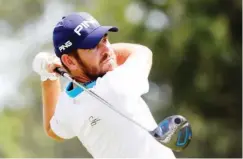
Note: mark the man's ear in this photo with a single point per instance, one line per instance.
(69, 62)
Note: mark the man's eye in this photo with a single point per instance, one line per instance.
(90, 50)
(105, 39)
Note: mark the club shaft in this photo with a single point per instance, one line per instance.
(101, 100)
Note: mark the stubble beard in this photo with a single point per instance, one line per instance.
(90, 72)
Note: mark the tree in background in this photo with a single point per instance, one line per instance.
(197, 54)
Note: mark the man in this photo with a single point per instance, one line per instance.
(116, 72)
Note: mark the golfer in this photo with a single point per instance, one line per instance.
(116, 72)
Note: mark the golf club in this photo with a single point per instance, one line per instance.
(174, 131)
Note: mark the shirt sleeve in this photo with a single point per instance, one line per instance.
(59, 122)
(131, 78)
(61, 129)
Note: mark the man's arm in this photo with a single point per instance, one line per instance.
(50, 88)
(131, 78)
(122, 53)
(134, 55)
(50, 93)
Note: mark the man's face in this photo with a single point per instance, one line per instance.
(96, 62)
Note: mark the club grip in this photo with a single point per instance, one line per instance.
(60, 71)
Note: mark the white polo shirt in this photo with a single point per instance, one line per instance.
(103, 132)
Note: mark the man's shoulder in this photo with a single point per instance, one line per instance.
(108, 80)
(74, 91)
(71, 95)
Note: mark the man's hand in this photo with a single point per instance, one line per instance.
(44, 64)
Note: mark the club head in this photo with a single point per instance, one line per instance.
(174, 132)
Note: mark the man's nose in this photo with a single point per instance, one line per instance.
(104, 45)
(105, 49)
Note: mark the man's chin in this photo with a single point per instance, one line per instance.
(111, 68)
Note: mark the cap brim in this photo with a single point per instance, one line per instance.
(94, 38)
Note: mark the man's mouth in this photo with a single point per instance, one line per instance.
(105, 61)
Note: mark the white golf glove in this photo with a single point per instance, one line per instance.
(40, 65)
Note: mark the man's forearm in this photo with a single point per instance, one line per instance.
(50, 94)
(139, 55)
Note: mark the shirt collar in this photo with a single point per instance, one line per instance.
(74, 92)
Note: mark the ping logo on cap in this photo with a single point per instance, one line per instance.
(85, 24)
(65, 46)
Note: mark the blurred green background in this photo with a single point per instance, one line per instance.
(196, 69)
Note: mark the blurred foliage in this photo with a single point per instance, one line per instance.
(198, 54)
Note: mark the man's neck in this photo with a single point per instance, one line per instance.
(82, 79)
(85, 78)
